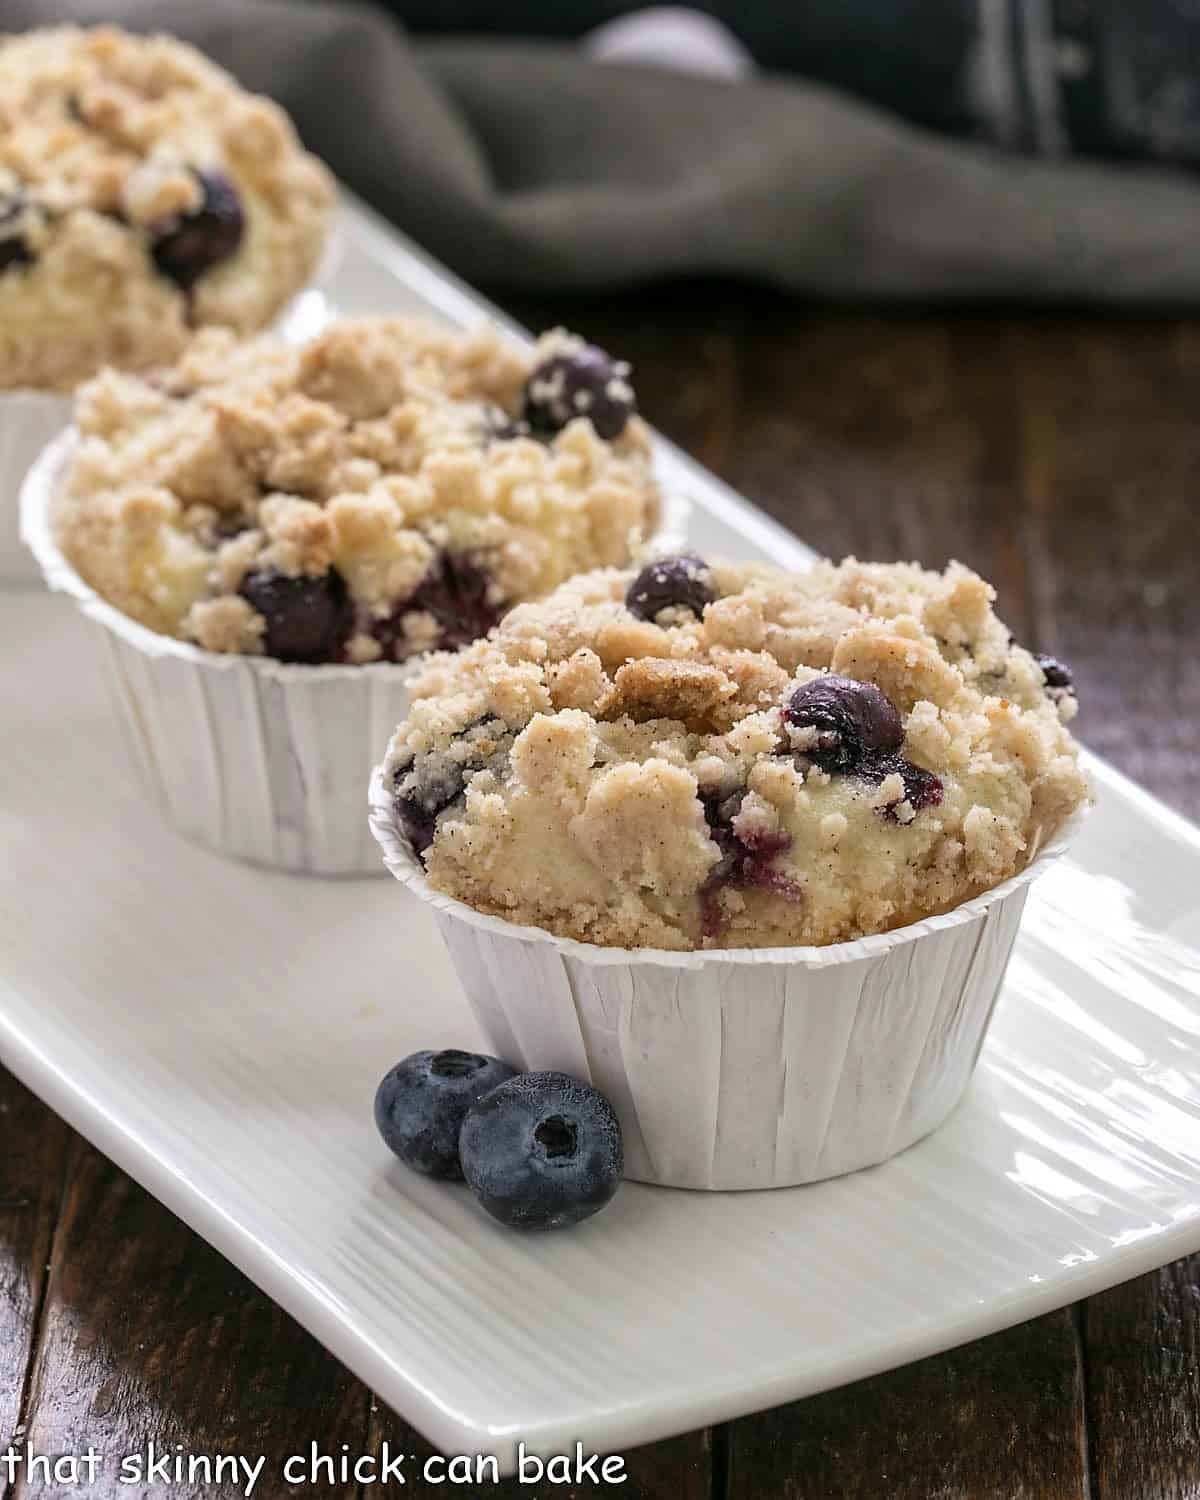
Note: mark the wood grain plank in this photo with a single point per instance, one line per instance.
(149, 1335)
(1142, 1355)
(31, 1175)
(1003, 1418)
(1114, 458)
(1111, 452)
(883, 437)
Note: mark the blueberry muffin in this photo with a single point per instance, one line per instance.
(142, 194)
(732, 756)
(384, 490)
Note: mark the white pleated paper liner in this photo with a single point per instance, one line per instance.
(28, 421)
(255, 758)
(742, 1068)
(259, 759)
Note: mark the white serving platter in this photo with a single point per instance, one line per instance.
(219, 1031)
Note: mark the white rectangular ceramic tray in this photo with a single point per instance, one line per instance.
(219, 1032)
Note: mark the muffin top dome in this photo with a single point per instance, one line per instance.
(142, 194)
(715, 755)
(386, 489)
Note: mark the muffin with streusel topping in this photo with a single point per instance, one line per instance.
(387, 489)
(715, 756)
(268, 535)
(143, 194)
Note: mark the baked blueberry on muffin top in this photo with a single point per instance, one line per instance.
(142, 194)
(701, 754)
(372, 495)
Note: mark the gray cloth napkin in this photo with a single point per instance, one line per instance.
(528, 165)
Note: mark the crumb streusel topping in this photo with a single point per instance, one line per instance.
(142, 194)
(734, 756)
(371, 495)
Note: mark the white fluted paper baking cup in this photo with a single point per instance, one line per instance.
(742, 1068)
(28, 421)
(255, 758)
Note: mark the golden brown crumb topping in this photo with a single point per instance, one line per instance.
(370, 495)
(142, 194)
(788, 759)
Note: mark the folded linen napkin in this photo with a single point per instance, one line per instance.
(529, 164)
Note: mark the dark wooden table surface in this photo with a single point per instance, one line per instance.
(1059, 456)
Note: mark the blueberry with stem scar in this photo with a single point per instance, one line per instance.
(542, 1151)
(422, 1102)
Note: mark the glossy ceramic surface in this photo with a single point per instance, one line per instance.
(219, 1031)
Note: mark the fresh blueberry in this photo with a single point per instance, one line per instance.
(922, 788)
(14, 252)
(583, 382)
(186, 245)
(13, 249)
(747, 860)
(423, 794)
(455, 592)
(542, 1151)
(1056, 673)
(853, 721)
(307, 618)
(422, 1102)
(426, 787)
(858, 731)
(670, 583)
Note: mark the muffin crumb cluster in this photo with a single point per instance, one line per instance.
(715, 755)
(142, 194)
(369, 496)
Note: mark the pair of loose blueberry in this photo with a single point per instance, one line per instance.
(538, 1150)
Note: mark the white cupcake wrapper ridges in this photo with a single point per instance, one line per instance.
(28, 421)
(743, 1068)
(260, 759)
(255, 758)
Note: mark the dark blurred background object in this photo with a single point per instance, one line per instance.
(1109, 78)
(904, 57)
(884, 150)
